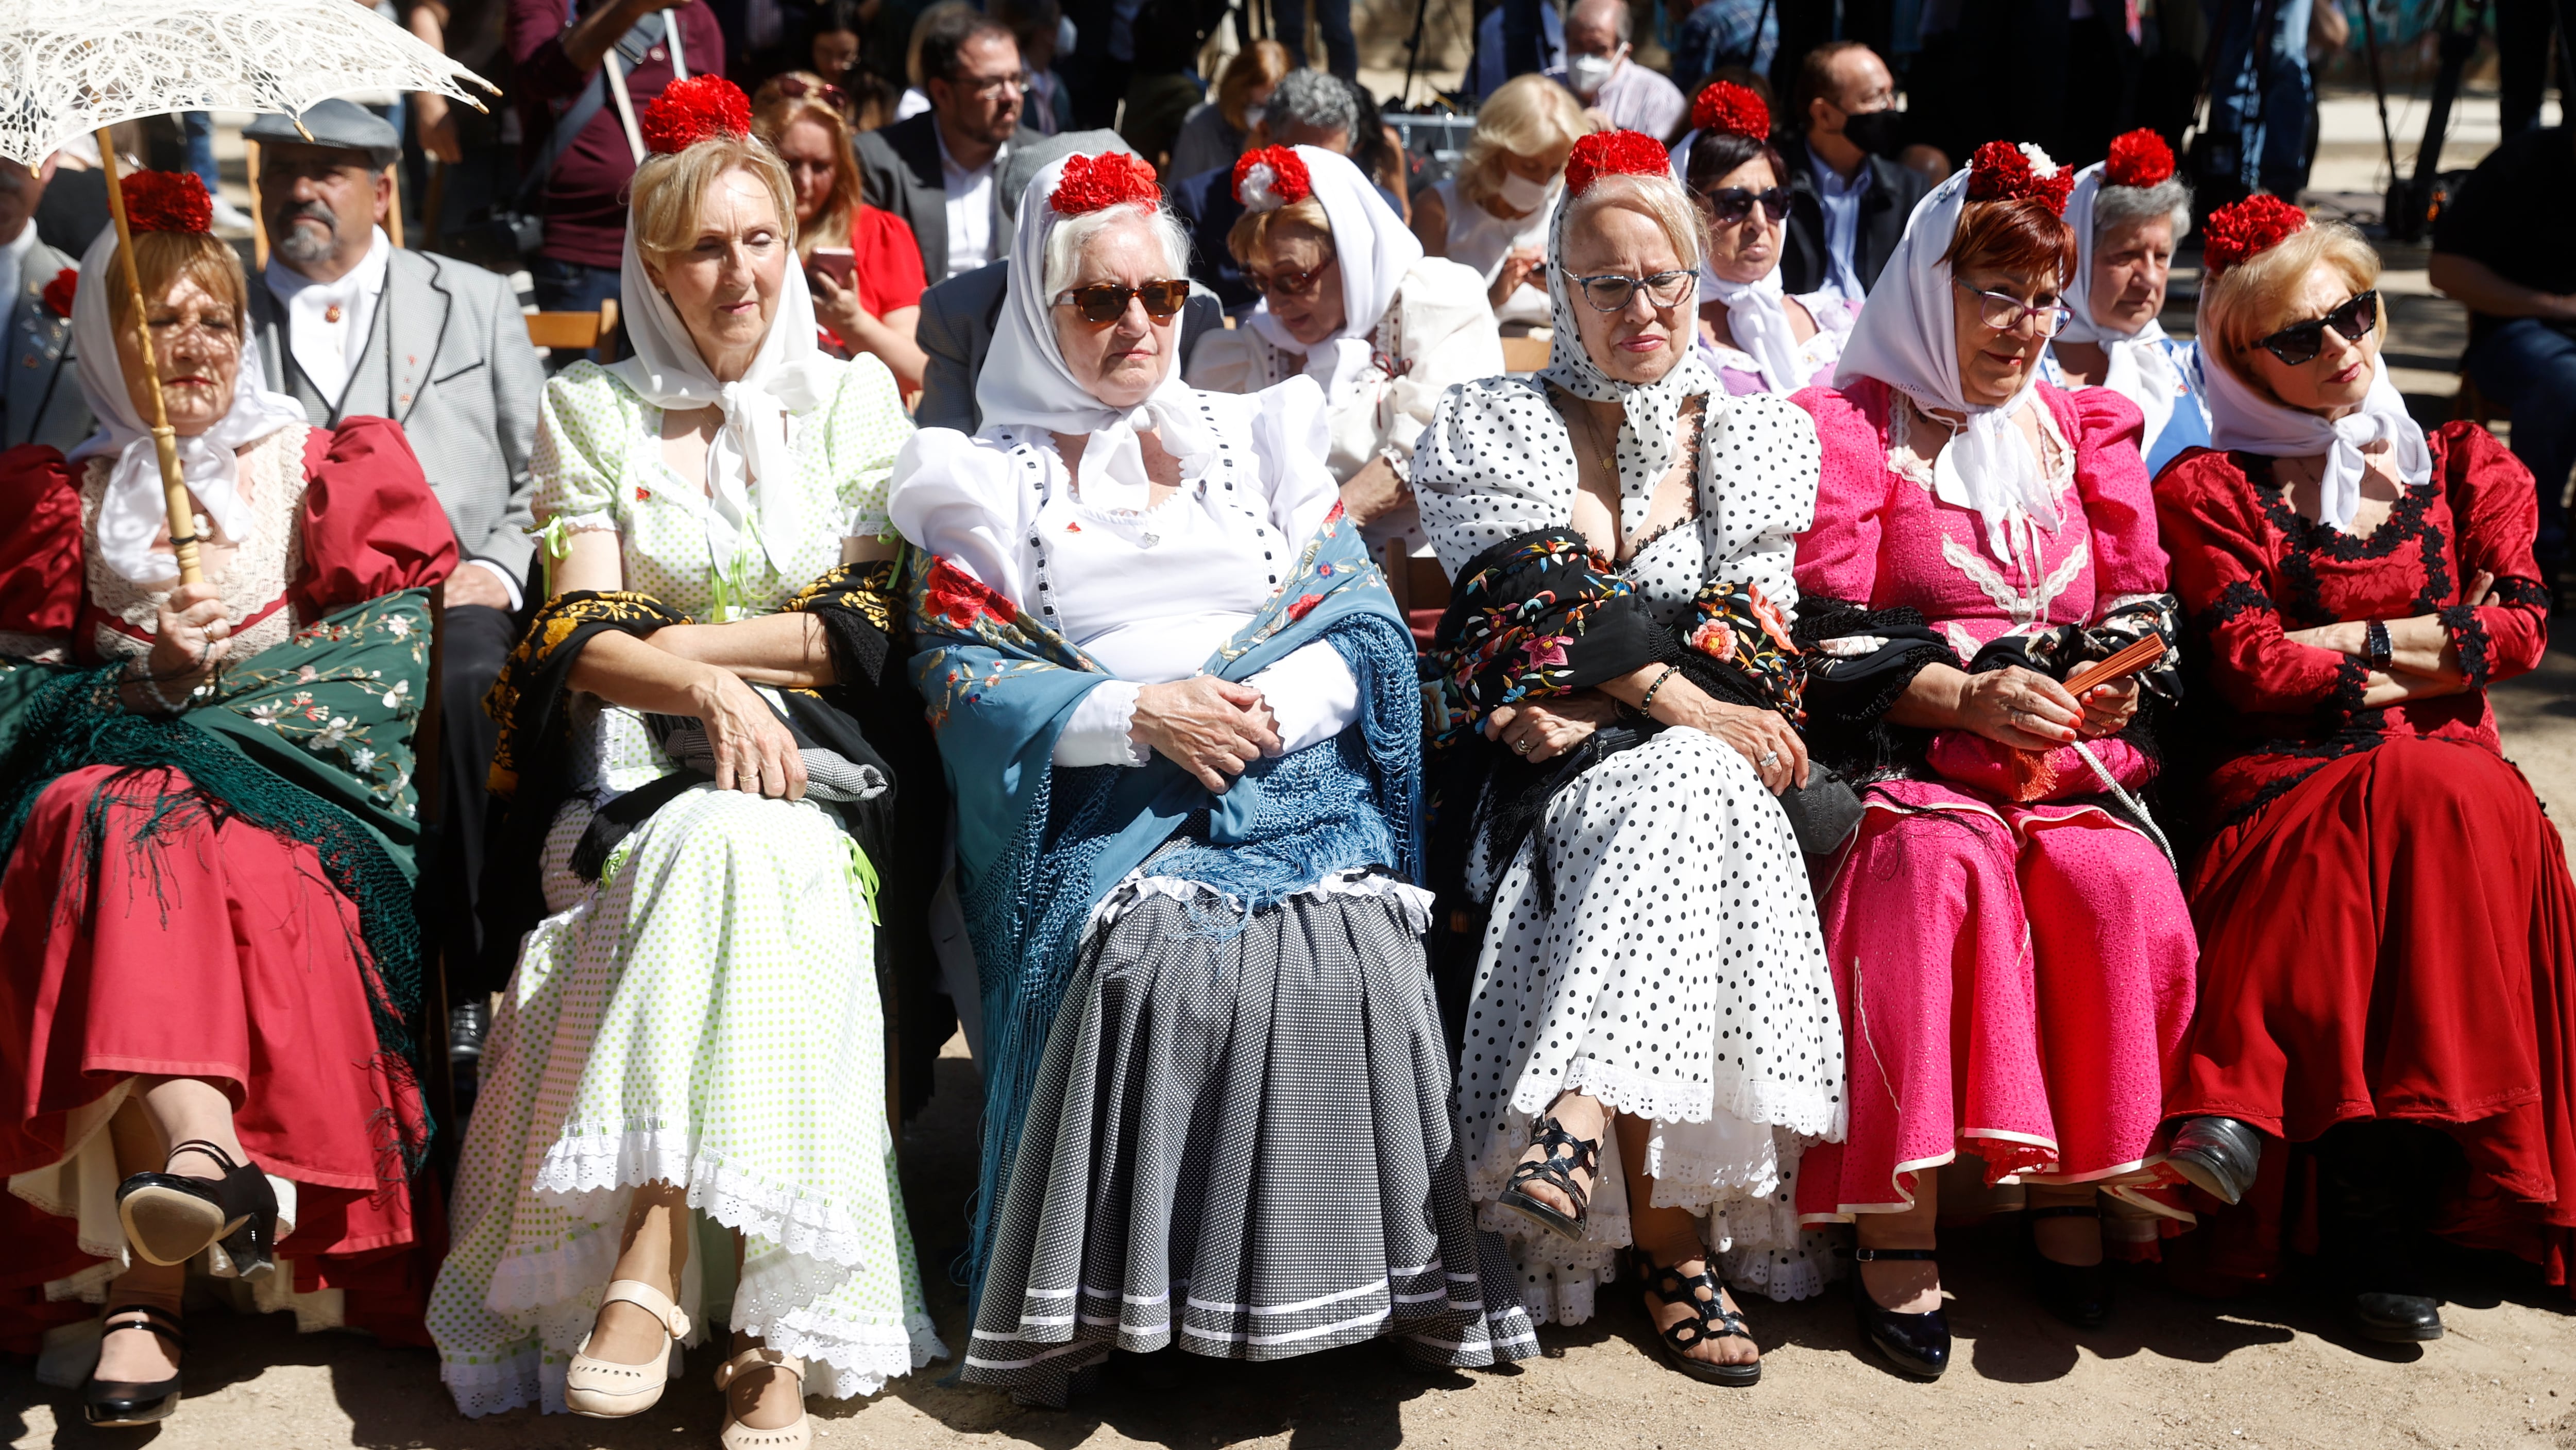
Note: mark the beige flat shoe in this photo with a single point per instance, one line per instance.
(799, 1436)
(607, 1391)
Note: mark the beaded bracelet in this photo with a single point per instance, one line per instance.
(141, 673)
(1646, 706)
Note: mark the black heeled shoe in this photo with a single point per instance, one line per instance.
(112, 1403)
(1916, 1344)
(1557, 1171)
(2080, 1294)
(2377, 1289)
(170, 1218)
(2218, 1155)
(1675, 1342)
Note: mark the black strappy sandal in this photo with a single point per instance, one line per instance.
(171, 1218)
(1677, 1341)
(2080, 1294)
(111, 1403)
(1557, 1171)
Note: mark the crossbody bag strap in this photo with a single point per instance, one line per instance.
(630, 49)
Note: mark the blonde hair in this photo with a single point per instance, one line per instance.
(1262, 63)
(1660, 198)
(1251, 231)
(669, 189)
(1527, 116)
(161, 259)
(2256, 297)
(773, 113)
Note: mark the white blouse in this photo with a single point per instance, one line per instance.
(1480, 239)
(1149, 594)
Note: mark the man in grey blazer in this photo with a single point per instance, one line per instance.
(939, 170)
(40, 401)
(958, 316)
(351, 326)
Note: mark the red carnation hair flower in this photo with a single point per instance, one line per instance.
(2002, 171)
(58, 292)
(1272, 177)
(1733, 109)
(1614, 153)
(2249, 228)
(694, 110)
(168, 201)
(2139, 158)
(1112, 178)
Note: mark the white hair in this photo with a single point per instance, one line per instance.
(1658, 196)
(1065, 243)
(2118, 206)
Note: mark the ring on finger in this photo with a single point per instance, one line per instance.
(1521, 746)
(1769, 759)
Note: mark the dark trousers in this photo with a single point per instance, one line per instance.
(473, 640)
(1333, 18)
(2530, 367)
(2527, 54)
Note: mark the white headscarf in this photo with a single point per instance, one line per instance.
(133, 511)
(1375, 250)
(1906, 338)
(790, 374)
(2136, 365)
(1026, 384)
(2240, 418)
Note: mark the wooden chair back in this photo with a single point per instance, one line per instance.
(574, 331)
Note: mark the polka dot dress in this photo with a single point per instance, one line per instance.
(1681, 976)
(705, 1015)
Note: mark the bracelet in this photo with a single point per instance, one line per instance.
(140, 673)
(2376, 644)
(1646, 706)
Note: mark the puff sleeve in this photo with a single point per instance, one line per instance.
(2498, 517)
(371, 525)
(41, 551)
(2222, 573)
(584, 427)
(1838, 556)
(2119, 504)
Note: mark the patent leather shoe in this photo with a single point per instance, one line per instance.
(2218, 1155)
(2391, 1318)
(1916, 1344)
(109, 1404)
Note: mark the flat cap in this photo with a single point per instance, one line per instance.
(337, 124)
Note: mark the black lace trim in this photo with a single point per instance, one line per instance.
(2521, 593)
(2352, 677)
(2320, 754)
(2469, 636)
(2234, 600)
(2306, 540)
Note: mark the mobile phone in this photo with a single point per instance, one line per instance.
(839, 263)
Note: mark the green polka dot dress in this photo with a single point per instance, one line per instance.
(707, 1013)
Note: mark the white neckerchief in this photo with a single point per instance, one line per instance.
(2241, 419)
(326, 350)
(2135, 364)
(133, 511)
(1757, 318)
(1374, 249)
(13, 267)
(752, 463)
(1026, 384)
(1906, 338)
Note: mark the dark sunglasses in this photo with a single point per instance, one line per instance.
(2300, 342)
(1285, 284)
(800, 88)
(1729, 205)
(1106, 302)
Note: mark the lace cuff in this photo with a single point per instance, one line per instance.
(1098, 733)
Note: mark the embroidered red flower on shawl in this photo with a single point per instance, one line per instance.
(1614, 153)
(168, 201)
(694, 110)
(1094, 183)
(1733, 109)
(957, 601)
(2139, 158)
(2002, 171)
(2249, 228)
(58, 292)
(1272, 177)
(1304, 606)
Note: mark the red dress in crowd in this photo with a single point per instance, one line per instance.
(2387, 926)
(218, 951)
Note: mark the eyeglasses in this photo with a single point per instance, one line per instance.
(1611, 292)
(1286, 284)
(1102, 303)
(799, 88)
(2003, 312)
(2300, 342)
(985, 88)
(1732, 204)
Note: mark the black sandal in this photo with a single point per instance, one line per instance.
(1676, 1341)
(1557, 1171)
(111, 1403)
(2079, 1294)
(170, 1218)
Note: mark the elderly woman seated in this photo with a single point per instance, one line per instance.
(1753, 335)
(1649, 1034)
(209, 971)
(2387, 966)
(1493, 215)
(700, 753)
(1348, 299)
(2127, 214)
(1181, 719)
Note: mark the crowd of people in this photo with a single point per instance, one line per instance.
(1906, 738)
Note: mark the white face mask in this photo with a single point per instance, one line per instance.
(1254, 116)
(1520, 193)
(1587, 74)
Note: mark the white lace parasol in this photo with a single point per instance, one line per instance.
(72, 66)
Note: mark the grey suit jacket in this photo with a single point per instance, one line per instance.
(448, 358)
(42, 393)
(899, 170)
(956, 330)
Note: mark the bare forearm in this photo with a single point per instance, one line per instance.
(625, 670)
(892, 346)
(1933, 701)
(2482, 288)
(775, 649)
(2418, 647)
(592, 35)
(2382, 689)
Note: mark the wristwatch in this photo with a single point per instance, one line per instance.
(2375, 644)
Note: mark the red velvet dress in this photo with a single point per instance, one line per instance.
(2387, 926)
(220, 951)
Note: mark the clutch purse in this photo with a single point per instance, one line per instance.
(1822, 813)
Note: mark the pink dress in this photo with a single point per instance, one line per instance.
(2014, 978)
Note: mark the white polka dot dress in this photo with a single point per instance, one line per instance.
(707, 1013)
(1681, 976)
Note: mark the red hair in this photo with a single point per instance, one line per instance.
(2020, 235)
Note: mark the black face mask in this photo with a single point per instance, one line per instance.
(1876, 132)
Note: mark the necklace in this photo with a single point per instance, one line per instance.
(1592, 430)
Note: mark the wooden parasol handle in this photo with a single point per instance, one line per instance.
(174, 487)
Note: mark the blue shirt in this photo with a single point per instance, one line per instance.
(1841, 202)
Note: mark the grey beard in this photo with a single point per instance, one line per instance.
(300, 244)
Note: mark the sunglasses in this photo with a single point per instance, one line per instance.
(1285, 284)
(2003, 312)
(1102, 303)
(2300, 342)
(1732, 204)
(1611, 292)
(799, 88)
